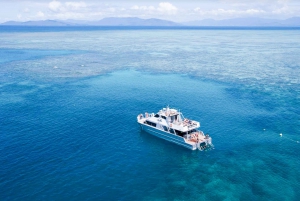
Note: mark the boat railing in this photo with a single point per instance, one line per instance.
(201, 133)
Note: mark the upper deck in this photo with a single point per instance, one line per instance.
(171, 118)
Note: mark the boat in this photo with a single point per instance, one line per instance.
(170, 124)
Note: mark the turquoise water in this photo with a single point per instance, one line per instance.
(69, 101)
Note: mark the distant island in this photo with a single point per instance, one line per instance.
(134, 21)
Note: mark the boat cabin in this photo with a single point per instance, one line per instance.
(172, 121)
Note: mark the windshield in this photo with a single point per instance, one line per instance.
(181, 117)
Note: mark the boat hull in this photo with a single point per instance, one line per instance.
(167, 136)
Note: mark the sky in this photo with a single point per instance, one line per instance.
(174, 10)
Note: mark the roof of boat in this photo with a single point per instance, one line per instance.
(168, 112)
(179, 123)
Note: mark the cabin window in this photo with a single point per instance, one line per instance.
(163, 117)
(157, 115)
(172, 131)
(165, 128)
(191, 131)
(180, 133)
(181, 117)
(150, 123)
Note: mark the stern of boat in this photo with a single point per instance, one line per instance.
(199, 141)
(206, 144)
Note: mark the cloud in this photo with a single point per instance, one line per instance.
(163, 8)
(283, 1)
(68, 10)
(26, 10)
(55, 6)
(278, 9)
(69, 15)
(167, 7)
(282, 10)
(143, 8)
(254, 11)
(135, 7)
(75, 5)
(40, 14)
(228, 12)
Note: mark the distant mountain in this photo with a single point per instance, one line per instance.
(112, 21)
(294, 21)
(37, 23)
(261, 22)
(134, 21)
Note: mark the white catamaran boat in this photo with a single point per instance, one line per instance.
(170, 125)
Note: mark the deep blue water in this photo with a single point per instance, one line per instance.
(69, 101)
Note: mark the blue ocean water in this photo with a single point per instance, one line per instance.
(69, 101)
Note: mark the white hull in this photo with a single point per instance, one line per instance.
(167, 136)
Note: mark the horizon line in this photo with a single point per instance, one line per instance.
(153, 18)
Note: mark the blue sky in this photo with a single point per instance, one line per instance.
(178, 11)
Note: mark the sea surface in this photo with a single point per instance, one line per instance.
(69, 98)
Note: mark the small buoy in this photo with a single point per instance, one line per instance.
(280, 134)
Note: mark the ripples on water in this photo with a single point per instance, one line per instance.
(69, 102)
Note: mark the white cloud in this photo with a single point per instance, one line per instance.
(167, 7)
(55, 6)
(163, 8)
(278, 9)
(228, 12)
(135, 7)
(68, 10)
(283, 1)
(282, 10)
(75, 5)
(143, 8)
(40, 14)
(96, 14)
(282, 7)
(254, 11)
(26, 10)
(111, 9)
(69, 15)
